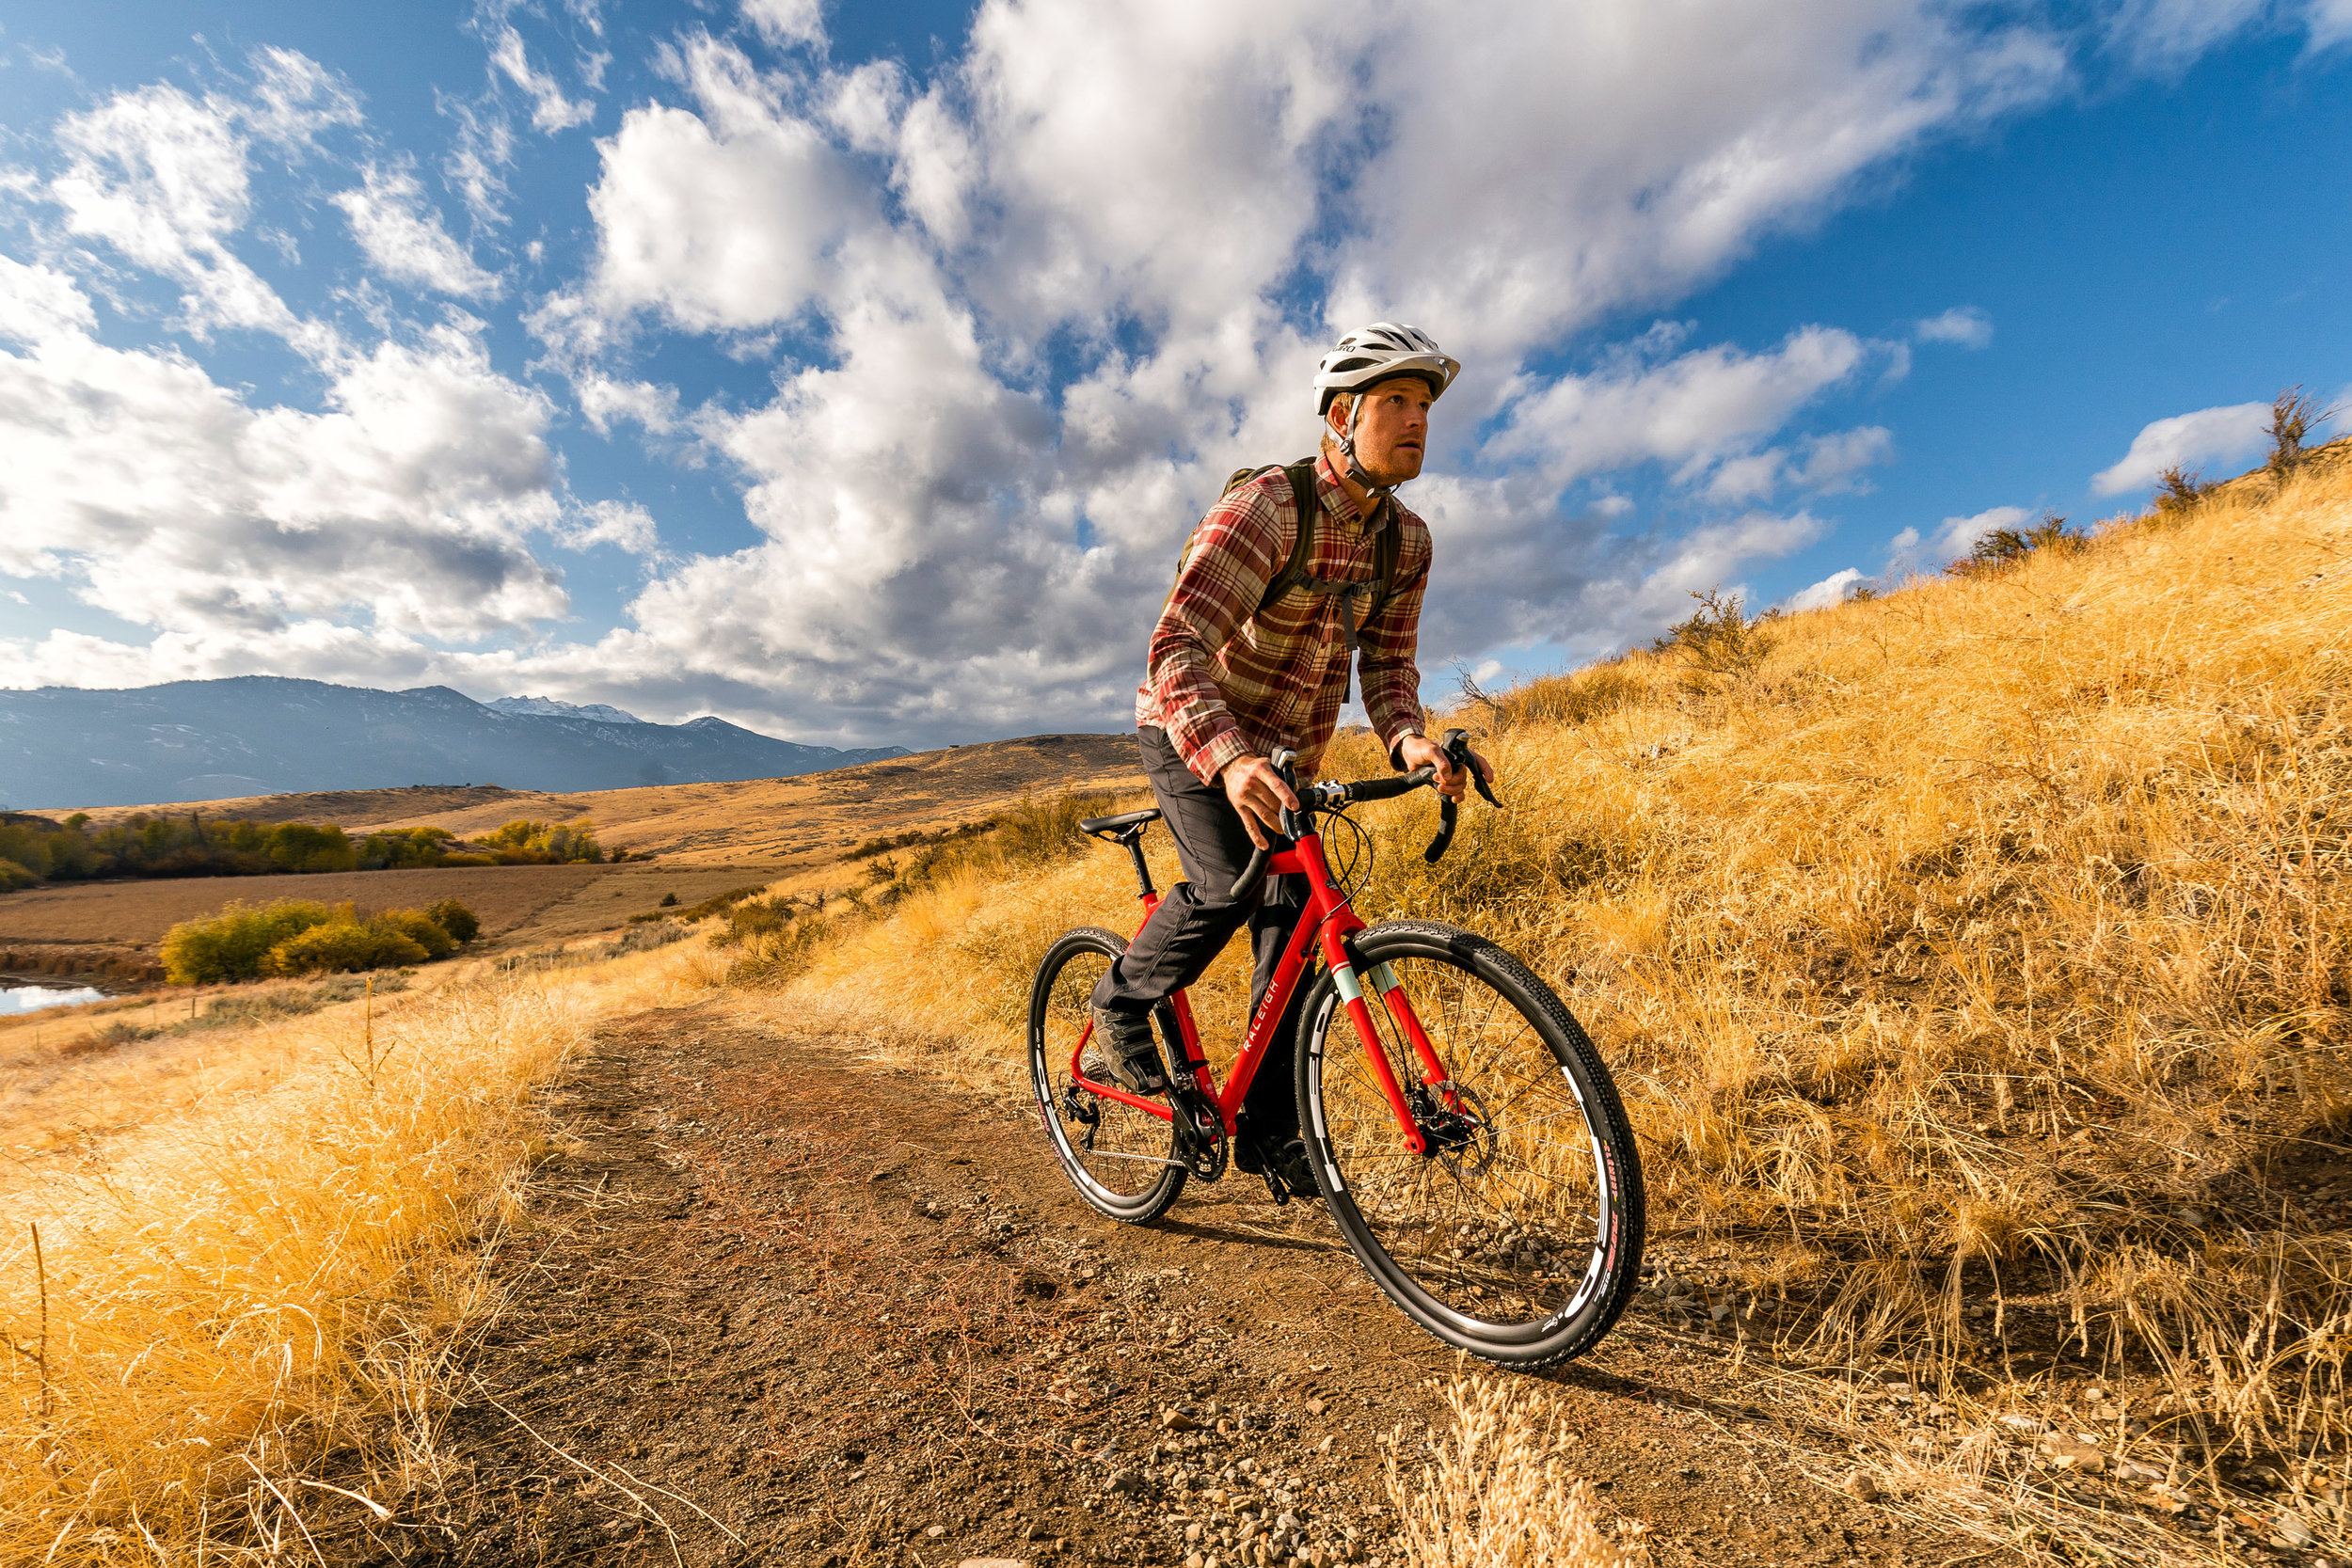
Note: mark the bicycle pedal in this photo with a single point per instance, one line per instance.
(1276, 1185)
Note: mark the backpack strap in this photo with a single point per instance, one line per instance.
(1294, 572)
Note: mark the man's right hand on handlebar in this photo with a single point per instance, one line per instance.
(1258, 792)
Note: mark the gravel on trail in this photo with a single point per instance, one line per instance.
(774, 1303)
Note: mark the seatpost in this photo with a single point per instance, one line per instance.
(1133, 839)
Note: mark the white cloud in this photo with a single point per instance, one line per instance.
(2330, 23)
(604, 401)
(2167, 35)
(550, 111)
(1692, 412)
(1960, 534)
(1022, 316)
(478, 158)
(39, 303)
(173, 503)
(403, 236)
(297, 98)
(1964, 325)
(721, 220)
(163, 179)
(1831, 590)
(623, 524)
(787, 21)
(2228, 435)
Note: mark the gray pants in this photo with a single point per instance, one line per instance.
(1196, 918)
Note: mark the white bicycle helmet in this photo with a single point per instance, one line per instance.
(1366, 357)
(1371, 355)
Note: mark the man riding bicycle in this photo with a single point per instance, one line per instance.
(1251, 653)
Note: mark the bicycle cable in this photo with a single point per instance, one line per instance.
(1353, 868)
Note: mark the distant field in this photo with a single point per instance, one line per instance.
(805, 820)
(526, 901)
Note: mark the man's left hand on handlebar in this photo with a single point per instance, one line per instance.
(1418, 750)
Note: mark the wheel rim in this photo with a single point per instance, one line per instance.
(1503, 1230)
(1118, 1154)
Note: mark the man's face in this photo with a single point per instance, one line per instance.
(1393, 429)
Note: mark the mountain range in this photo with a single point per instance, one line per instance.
(263, 734)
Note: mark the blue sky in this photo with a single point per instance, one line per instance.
(856, 372)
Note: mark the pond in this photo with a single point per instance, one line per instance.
(16, 997)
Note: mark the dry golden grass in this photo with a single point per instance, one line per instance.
(1495, 1493)
(257, 1254)
(1982, 941)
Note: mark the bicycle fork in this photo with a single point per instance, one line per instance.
(1391, 994)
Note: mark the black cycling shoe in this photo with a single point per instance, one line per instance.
(1127, 1049)
(1290, 1164)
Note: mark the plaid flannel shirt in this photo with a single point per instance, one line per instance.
(1225, 680)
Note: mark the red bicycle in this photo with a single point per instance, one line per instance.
(1468, 1141)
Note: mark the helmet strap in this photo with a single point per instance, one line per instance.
(1377, 492)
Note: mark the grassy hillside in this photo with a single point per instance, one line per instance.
(241, 1258)
(1981, 945)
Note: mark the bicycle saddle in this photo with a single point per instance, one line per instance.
(1100, 825)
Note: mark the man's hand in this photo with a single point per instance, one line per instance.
(1259, 794)
(1415, 751)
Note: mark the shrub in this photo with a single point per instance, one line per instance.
(418, 928)
(1572, 699)
(2179, 488)
(1040, 832)
(527, 843)
(2293, 415)
(14, 876)
(457, 920)
(757, 917)
(233, 944)
(1718, 639)
(345, 945)
(2006, 547)
(721, 903)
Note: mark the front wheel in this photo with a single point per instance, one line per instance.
(1122, 1160)
(1518, 1235)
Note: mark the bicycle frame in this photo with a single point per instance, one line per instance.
(1329, 920)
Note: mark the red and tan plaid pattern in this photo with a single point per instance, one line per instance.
(1225, 680)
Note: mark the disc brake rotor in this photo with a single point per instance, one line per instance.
(1461, 1135)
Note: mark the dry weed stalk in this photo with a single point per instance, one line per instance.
(263, 1246)
(1495, 1493)
(1981, 956)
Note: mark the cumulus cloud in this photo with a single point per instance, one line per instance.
(2228, 435)
(1910, 551)
(403, 235)
(173, 503)
(1831, 590)
(1695, 411)
(726, 219)
(1023, 312)
(1963, 325)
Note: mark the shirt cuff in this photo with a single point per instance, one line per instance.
(1396, 737)
(1210, 758)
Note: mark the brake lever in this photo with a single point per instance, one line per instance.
(1252, 873)
(1456, 749)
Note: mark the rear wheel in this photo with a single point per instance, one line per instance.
(1122, 1160)
(1518, 1236)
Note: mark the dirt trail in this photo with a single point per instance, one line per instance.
(780, 1305)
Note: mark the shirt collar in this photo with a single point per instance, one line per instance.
(1334, 496)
